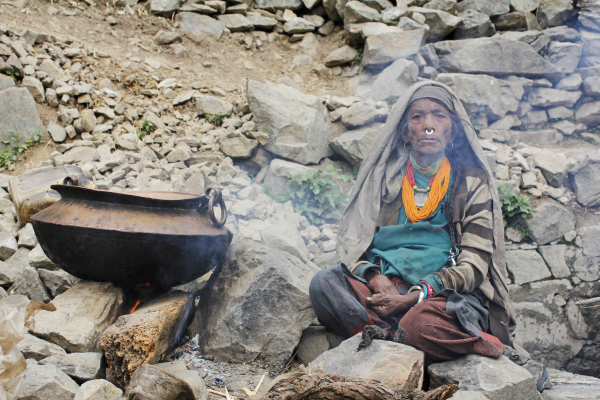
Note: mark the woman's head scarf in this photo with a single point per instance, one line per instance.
(377, 181)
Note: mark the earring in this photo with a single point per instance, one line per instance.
(451, 146)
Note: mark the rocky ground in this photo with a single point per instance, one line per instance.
(165, 95)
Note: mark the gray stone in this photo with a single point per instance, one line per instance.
(297, 124)
(474, 25)
(440, 23)
(279, 4)
(587, 268)
(88, 120)
(571, 82)
(554, 12)
(57, 132)
(554, 166)
(354, 145)
(264, 310)
(298, 25)
(559, 113)
(18, 113)
(236, 22)
(342, 56)
(79, 366)
(526, 266)
(539, 138)
(165, 38)
(584, 180)
(98, 389)
(515, 21)
(358, 13)
(490, 8)
(496, 379)
(590, 237)
(238, 147)
(591, 86)
(494, 56)
(82, 314)
(525, 5)
(565, 56)
(550, 222)
(566, 385)
(448, 6)
(383, 49)
(83, 154)
(213, 105)
(409, 24)
(38, 349)
(164, 7)
(200, 24)
(35, 87)
(42, 382)
(57, 281)
(8, 245)
(285, 236)
(589, 113)
(176, 382)
(388, 362)
(394, 80)
(6, 82)
(261, 22)
(363, 113)
(276, 179)
(315, 341)
(358, 33)
(555, 258)
(24, 278)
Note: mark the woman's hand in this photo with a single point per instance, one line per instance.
(388, 305)
(379, 283)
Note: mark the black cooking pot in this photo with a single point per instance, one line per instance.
(132, 238)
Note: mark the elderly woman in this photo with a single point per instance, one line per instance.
(422, 240)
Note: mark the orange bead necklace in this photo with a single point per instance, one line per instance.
(437, 190)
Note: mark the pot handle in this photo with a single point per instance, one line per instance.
(215, 197)
(71, 180)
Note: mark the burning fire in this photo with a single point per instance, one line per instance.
(137, 303)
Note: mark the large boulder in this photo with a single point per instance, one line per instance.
(494, 56)
(297, 124)
(255, 306)
(385, 48)
(394, 80)
(167, 381)
(526, 266)
(388, 362)
(496, 379)
(197, 24)
(550, 222)
(18, 113)
(143, 336)
(82, 314)
(584, 180)
(440, 23)
(490, 8)
(354, 145)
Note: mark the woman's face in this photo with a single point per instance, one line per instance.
(425, 115)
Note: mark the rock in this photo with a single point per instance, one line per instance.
(383, 49)
(257, 318)
(358, 13)
(25, 279)
(550, 222)
(546, 97)
(394, 80)
(175, 382)
(58, 133)
(18, 113)
(354, 145)
(284, 235)
(388, 362)
(298, 25)
(358, 33)
(363, 113)
(238, 147)
(590, 237)
(236, 22)
(565, 56)
(297, 124)
(200, 24)
(213, 105)
(88, 120)
(525, 5)
(82, 314)
(526, 266)
(555, 258)
(538, 138)
(164, 7)
(315, 341)
(165, 38)
(38, 349)
(474, 25)
(98, 389)
(279, 4)
(490, 8)
(35, 87)
(6, 82)
(342, 56)
(440, 23)
(57, 281)
(515, 21)
(571, 82)
(589, 113)
(276, 179)
(143, 336)
(554, 166)
(584, 180)
(82, 154)
(494, 56)
(8, 245)
(47, 382)
(554, 12)
(79, 366)
(569, 386)
(261, 22)
(496, 379)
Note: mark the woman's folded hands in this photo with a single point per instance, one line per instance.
(386, 305)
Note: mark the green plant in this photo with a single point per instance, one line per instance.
(359, 57)
(14, 73)
(515, 208)
(317, 196)
(216, 119)
(146, 129)
(14, 148)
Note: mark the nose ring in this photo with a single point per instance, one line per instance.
(429, 131)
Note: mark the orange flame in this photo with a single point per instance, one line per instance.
(137, 303)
